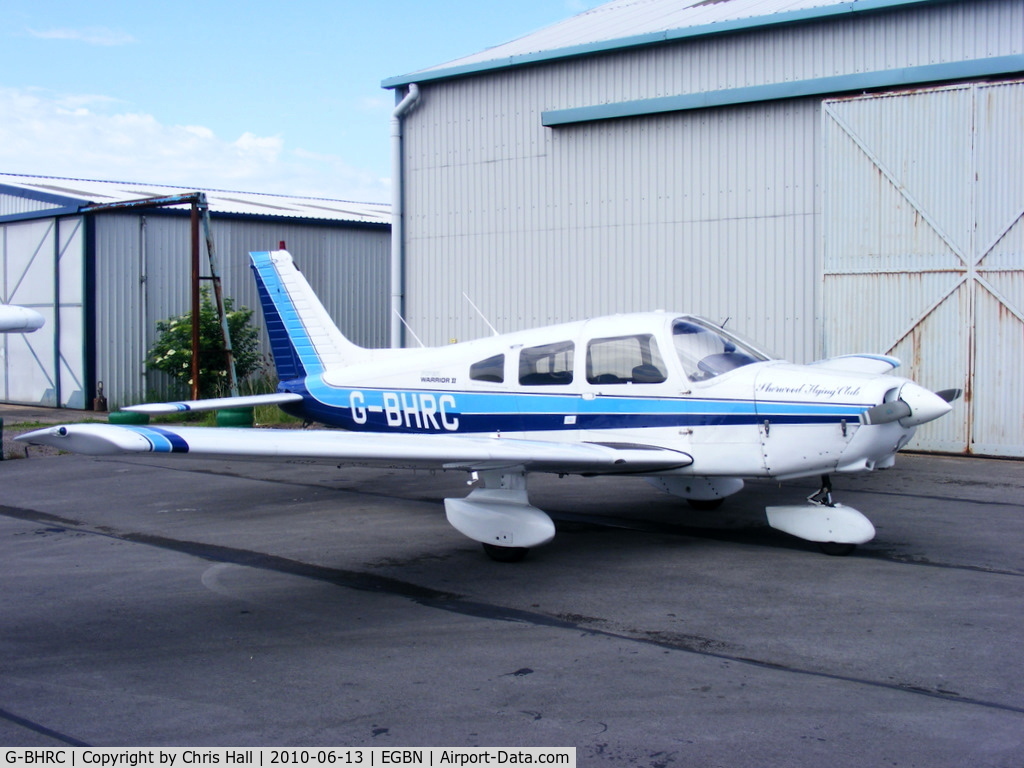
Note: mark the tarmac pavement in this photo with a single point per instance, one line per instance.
(152, 601)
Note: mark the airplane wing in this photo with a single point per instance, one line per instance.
(416, 451)
(216, 403)
(19, 319)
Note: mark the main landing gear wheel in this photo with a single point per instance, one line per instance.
(505, 554)
(705, 505)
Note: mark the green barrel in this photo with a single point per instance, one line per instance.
(127, 417)
(235, 417)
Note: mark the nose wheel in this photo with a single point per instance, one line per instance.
(505, 554)
(836, 550)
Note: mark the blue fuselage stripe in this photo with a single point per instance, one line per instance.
(452, 411)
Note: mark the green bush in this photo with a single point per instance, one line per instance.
(172, 352)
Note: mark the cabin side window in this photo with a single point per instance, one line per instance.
(546, 365)
(492, 369)
(625, 360)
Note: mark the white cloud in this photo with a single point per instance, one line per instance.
(90, 35)
(375, 103)
(265, 148)
(92, 137)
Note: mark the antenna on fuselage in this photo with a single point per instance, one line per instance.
(408, 328)
(482, 316)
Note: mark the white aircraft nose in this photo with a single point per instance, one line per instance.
(924, 404)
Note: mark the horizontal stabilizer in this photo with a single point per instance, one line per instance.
(465, 452)
(216, 403)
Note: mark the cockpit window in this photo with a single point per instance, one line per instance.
(625, 360)
(491, 369)
(546, 365)
(706, 351)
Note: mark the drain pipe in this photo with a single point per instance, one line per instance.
(398, 214)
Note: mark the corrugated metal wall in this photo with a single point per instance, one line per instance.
(348, 267)
(924, 249)
(12, 205)
(683, 212)
(714, 211)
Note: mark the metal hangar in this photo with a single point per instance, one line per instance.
(827, 176)
(102, 276)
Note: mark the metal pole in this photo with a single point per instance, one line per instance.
(195, 301)
(55, 328)
(398, 215)
(218, 294)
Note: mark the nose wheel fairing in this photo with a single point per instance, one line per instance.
(836, 528)
(837, 524)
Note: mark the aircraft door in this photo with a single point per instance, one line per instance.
(621, 379)
(549, 397)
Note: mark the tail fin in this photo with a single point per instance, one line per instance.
(303, 337)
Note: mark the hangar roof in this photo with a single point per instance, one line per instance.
(70, 194)
(631, 23)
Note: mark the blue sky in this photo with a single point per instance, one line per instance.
(252, 95)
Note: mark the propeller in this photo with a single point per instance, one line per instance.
(916, 405)
(885, 413)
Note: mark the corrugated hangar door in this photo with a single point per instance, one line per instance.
(923, 223)
(41, 266)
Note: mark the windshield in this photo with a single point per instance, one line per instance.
(707, 351)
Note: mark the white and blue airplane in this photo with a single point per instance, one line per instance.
(670, 397)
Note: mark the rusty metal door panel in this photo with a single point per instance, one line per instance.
(924, 249)
(997, 401)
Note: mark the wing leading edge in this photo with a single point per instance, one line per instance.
(460, 452)
(216, 403)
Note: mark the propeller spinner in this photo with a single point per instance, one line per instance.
(914, 406)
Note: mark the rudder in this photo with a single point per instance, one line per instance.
(303, 337)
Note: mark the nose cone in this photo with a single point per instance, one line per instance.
(924, 404)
